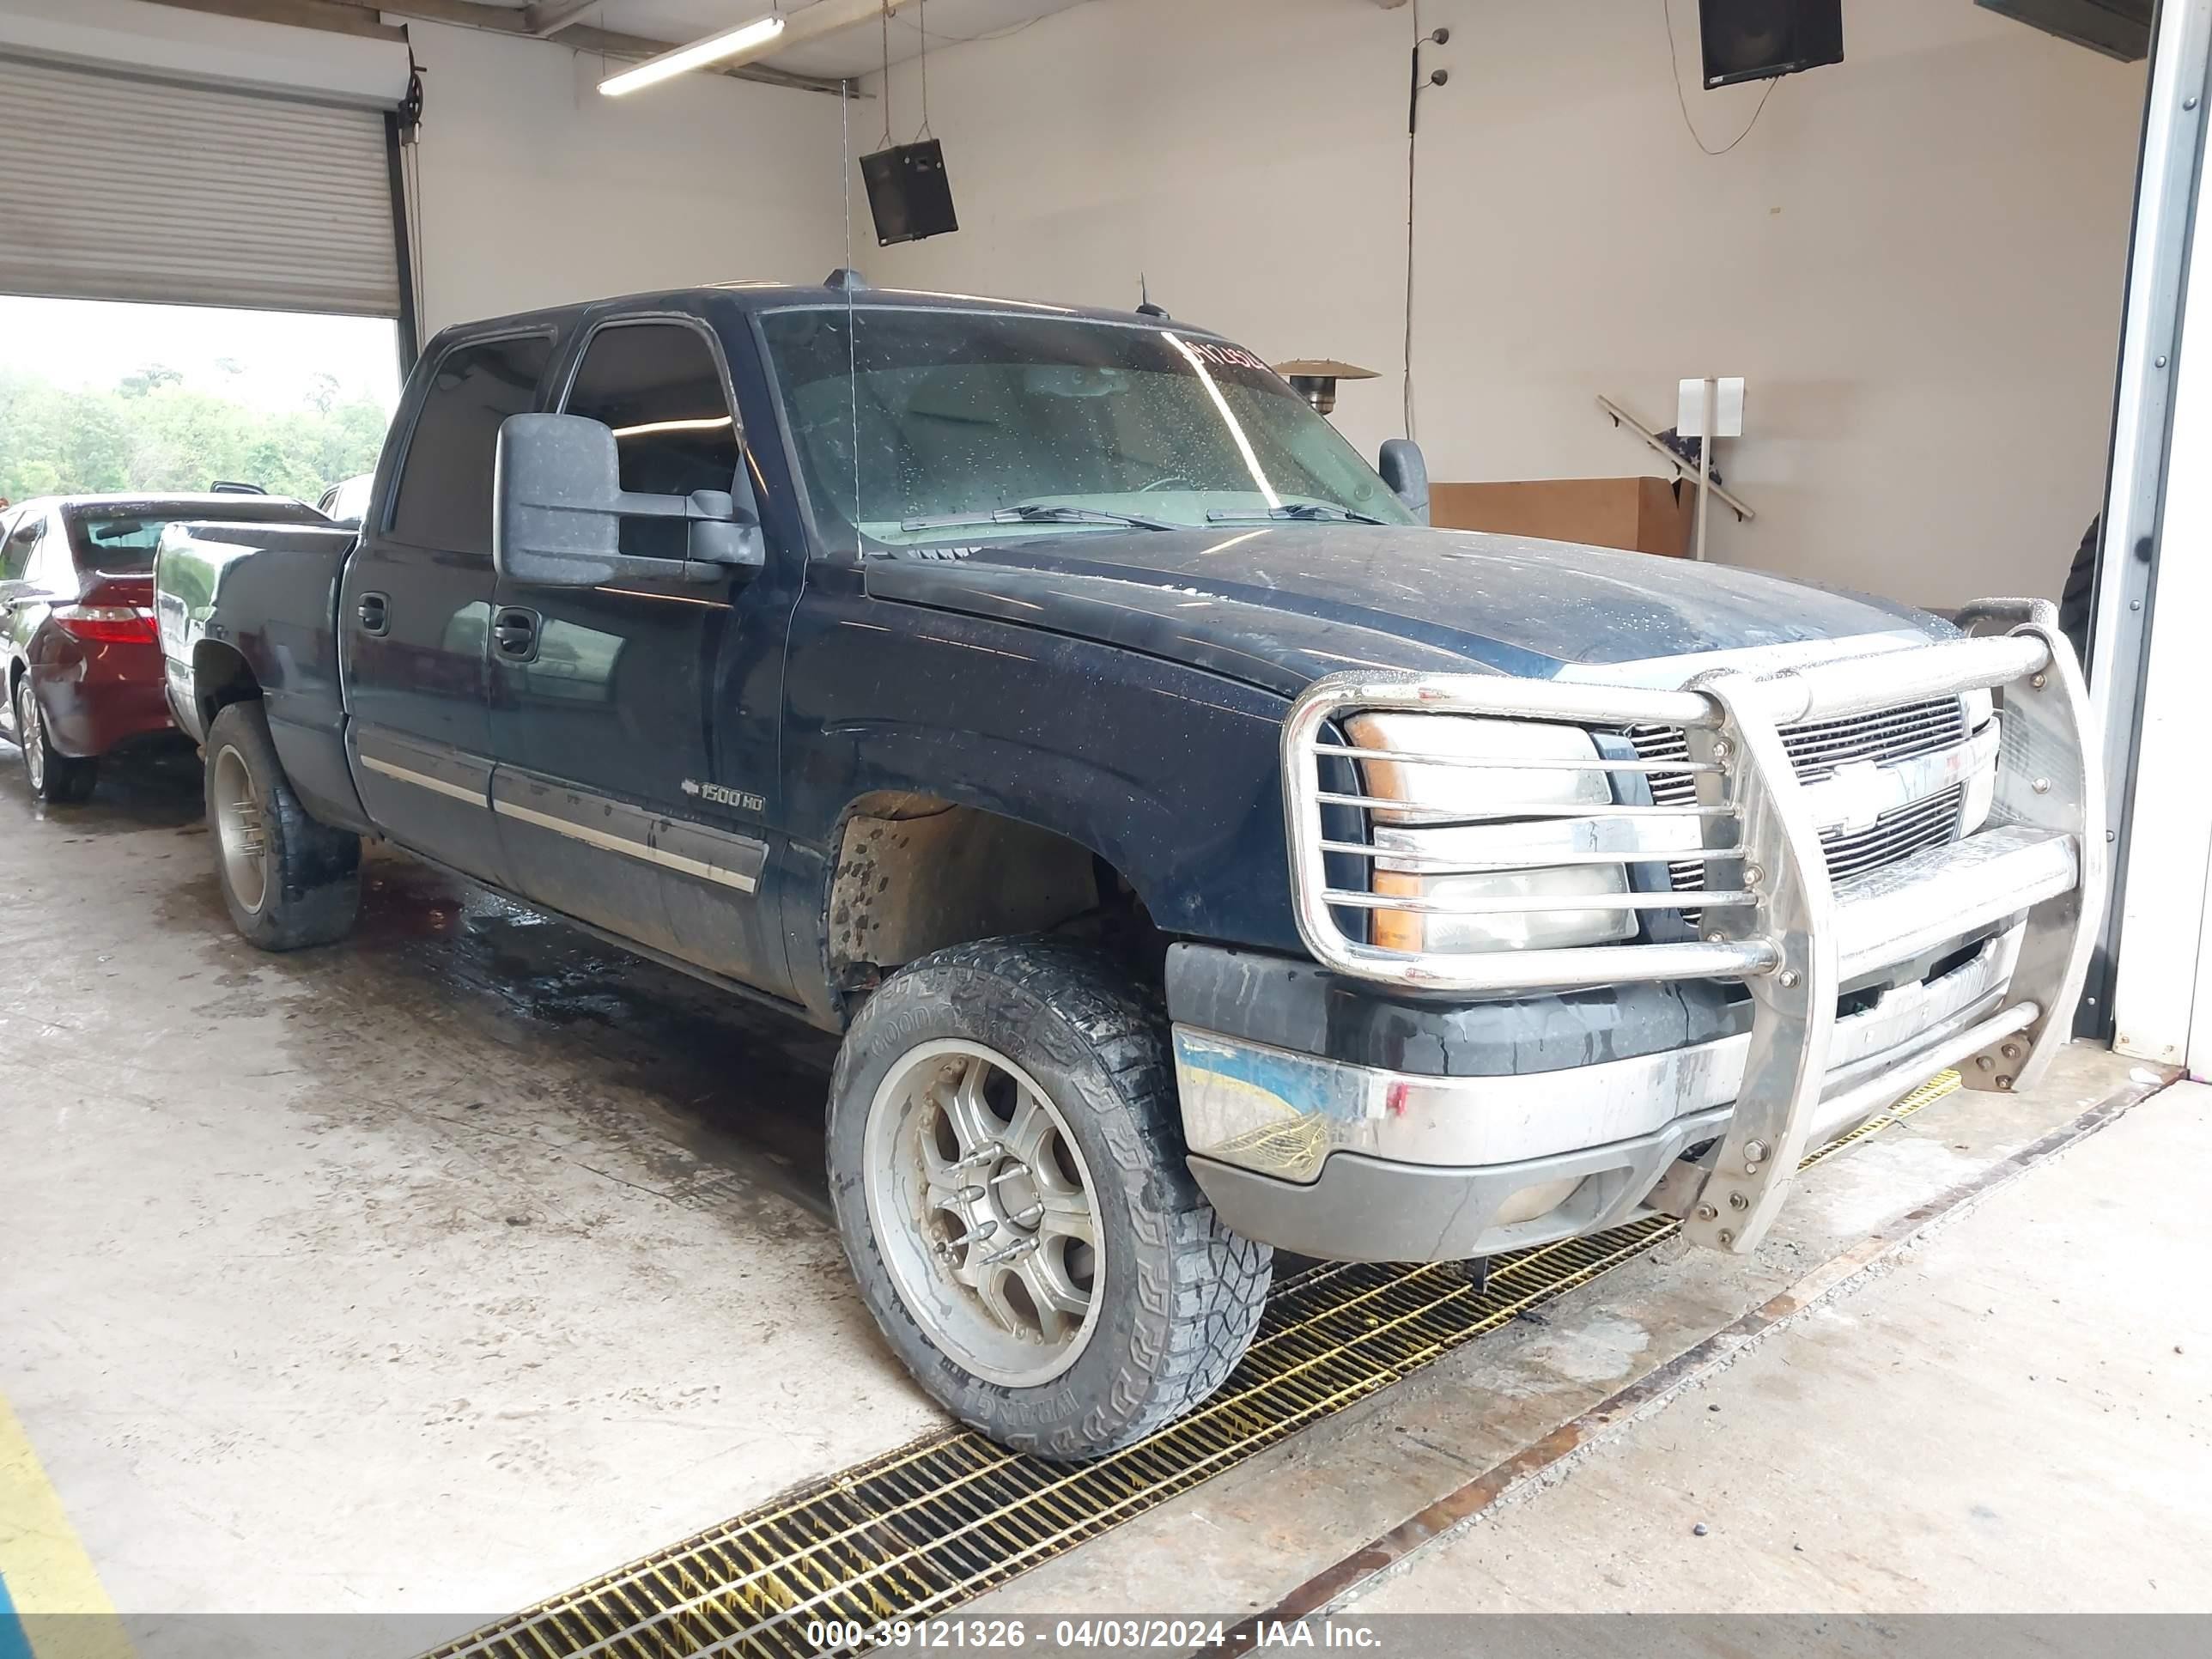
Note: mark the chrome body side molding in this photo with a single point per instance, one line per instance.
(698, 850)
(692, 850)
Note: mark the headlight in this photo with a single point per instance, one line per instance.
(1474, 773)
(1490, 775)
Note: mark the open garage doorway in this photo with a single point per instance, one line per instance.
(204, 277)
(99, 396)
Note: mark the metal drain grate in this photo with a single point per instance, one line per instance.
(922, 1529)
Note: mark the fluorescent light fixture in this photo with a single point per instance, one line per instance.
(700, 53)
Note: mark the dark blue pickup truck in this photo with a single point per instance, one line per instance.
(1198, 853)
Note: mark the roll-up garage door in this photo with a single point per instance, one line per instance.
(114, 187)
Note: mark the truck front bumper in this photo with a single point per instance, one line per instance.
(1802, 1006)
(1333, 1155)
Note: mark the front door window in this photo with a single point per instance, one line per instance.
(658, 387)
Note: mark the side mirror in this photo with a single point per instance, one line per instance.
(1406, 473)
(558, 506)
(725, 530)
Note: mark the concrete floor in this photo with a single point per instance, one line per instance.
(433, 1272)
(1244, 1541)
(2017, 1418)
(436, 1272)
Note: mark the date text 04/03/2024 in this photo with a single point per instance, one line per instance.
(1057, 1635)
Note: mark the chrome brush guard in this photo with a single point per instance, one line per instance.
(1768, 913)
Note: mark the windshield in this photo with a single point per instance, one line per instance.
(920, 420)
(122, 539)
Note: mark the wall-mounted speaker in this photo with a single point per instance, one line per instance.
(1758, 39)
(908, 192)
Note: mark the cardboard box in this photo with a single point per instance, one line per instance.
(1643, 515)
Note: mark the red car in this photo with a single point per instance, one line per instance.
(77, 624)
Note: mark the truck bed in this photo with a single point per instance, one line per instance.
(286, 575)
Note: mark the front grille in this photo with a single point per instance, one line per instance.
(1894, 836)
(1816, 749)
(1819, 747)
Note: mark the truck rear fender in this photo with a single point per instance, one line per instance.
(220, 677)
(250, 610)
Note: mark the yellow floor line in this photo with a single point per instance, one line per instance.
(49, 1580)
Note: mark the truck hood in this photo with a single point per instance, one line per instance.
(1280, 605)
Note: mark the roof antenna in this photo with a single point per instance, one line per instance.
(1145, 305)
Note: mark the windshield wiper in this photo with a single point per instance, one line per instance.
(1311, 512)
(1035, 512)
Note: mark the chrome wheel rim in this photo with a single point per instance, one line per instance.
(240, 831)
(33, 740)
(983, 1210)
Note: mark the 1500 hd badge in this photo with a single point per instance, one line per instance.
(744, 800)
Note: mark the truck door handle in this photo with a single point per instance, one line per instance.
(375, 613)
(515, 633)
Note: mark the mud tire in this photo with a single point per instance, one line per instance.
(312, 882)
(1181, 1295)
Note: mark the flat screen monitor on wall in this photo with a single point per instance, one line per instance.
(1758, 39)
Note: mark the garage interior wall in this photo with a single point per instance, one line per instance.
(1916, 257)
(535, 190)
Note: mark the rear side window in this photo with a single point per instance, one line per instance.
(444, 483)
(53, 569)
(348, 503)
(16, 553)
(659, 386)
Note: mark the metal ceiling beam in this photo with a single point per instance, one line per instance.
(332, 16)
(814, 22)
(545, 17)
(366, 18)
(610, 44)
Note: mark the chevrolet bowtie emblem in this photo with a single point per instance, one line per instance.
(1855, 796)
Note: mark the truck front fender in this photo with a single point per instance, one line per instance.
(1168, 773)
(1204, 855)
